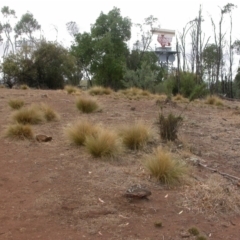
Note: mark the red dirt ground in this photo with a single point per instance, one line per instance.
(55, 190)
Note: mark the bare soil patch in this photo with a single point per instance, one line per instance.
(56, 190)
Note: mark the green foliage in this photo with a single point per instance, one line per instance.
(53, 64)
(27, 25)
(188, 86)
(144, 77)
(102, 52)
(86, 104)
(19, 131)
(169, 126)
(164, 168)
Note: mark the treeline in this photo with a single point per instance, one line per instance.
(102, 56)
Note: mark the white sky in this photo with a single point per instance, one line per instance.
(172, 14)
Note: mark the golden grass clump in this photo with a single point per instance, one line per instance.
(86, 104)
(214, 196)
(78, 132)
(164, 168)
(2, 86)
(24, 87)
(48, 112)
(180, 98)
(98, 90)
(104, 143)
(130, 92)
(30, 115)
(135, 136)
(16, 103)
(19, 131)
(214, 100)
(71, 89)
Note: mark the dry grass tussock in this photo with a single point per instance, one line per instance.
(19, 132)
(214, 100)
(86, 104)
(104, 143)
(165, 168)
(98, 90)
(78, 132)
(30, 115)
(24, 87)
(2, 86)
(135, 136)
(135, 92)
(48, 113)
(216, 195)
(180, 98)
(16, 103)
(71, 89)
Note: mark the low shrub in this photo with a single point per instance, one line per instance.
(86, 104)
(19, 131)
(164, 168)
(104, 143)
(16, 103)
(169, 126)
(134, 136)
(78, 132)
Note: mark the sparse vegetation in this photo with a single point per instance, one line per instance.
(134, 136)
(70, 89)
(169, 126)
(24, 87)
(104, 143)
(19, 131)
(30, 115)
(98, 90)
(86, 104)
(193, 231)
(48, 112)
(16, 103)
(2, 86)
(164, 168)
(214, 196)
(78, 132)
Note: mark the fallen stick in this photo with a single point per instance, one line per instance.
(215, 170)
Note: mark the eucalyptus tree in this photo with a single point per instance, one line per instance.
(227, 9)
(103, 51)
(6, 30)
(27, 26)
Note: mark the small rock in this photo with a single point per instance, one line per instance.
(137, 191)
(43, 138)
(133, 108)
